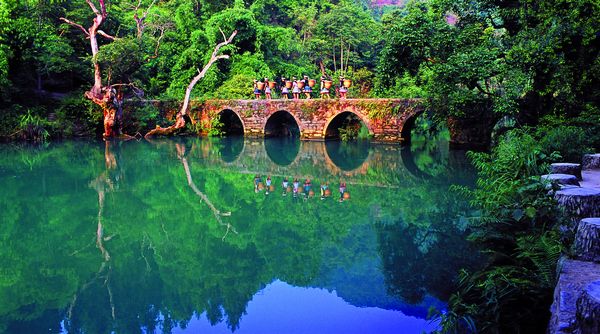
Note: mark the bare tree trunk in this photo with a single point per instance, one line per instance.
(342, 56)
(179, 118)
(98, 94)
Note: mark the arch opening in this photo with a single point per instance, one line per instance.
(346, 126)
(282, 124)
(229, 123)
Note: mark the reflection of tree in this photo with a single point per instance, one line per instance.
(168, 259)
(102, 184)
(419, 260)
(216, 213)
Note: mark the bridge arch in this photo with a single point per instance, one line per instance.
(408, 125)
(333, 124)
(232, 123)
(282, 123)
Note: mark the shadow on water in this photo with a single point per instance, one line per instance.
(348, 156)
(283, 150)
(230, 147)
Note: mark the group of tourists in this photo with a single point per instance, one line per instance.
(305, 190)
(300, 88)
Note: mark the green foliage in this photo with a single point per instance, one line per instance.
(121, 59)
(33, 127)
(146, 117)
(570, 142)
(349, 131)
(77, 117)
(496, 57)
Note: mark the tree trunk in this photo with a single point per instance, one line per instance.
(588, 310)
(100, 95)
(587, 240)
(179, 117)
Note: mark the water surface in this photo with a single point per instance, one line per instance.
(171, 236)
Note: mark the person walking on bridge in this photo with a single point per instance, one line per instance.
(285, 92)
(256, 90)
(324, 90)
(295, 89)
(267, 89)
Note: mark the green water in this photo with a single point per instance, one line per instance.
(171, 236)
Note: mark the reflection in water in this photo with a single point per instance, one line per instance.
(282, 151)
(154, 219)
(347, 156)
(230, 147)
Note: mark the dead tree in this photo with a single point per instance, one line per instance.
(180, 117)
(99, 94)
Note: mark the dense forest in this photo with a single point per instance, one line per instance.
(528, 70)
(522, 62)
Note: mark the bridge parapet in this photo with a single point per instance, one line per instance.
(388, 120)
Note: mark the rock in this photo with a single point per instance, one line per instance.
(591, 161)
(574, 277)
(587, 240)
(579, 202)
(566, 168)
(561, 179)
(588, 310)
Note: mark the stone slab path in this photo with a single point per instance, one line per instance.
(591, 178)
(576, 277)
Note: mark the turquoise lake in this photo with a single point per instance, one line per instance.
(180, 236)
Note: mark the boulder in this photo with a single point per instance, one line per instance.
(566, 168)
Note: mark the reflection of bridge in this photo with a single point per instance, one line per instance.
(387, 120)
(378, 165)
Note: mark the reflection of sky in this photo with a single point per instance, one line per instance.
(282, 308)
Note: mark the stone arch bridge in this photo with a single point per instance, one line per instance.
(387, 120)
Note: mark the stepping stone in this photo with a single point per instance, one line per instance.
(587, 240)
(561, 179)
(574, 277)
(591, 161)
(579, 202)
(588, 309)
(566, 168)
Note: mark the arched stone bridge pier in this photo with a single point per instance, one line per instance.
(388, 120)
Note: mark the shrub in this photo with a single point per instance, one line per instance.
(570, 142)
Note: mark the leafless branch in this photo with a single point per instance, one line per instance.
(102, 33)
(94, 9)
(75, 25)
